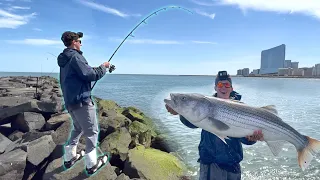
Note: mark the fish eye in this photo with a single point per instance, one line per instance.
(184, 98)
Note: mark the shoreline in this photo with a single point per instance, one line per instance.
(195, 75)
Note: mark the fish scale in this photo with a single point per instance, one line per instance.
(227, 118)
(246, 117)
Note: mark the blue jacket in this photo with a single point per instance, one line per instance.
(213, 150)
(76, 77)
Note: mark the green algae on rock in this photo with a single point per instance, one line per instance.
(153, 164)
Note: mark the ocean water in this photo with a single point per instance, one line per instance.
(297, 101)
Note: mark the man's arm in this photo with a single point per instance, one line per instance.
(86, 72)
(187, 123)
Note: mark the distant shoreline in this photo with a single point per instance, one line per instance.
(297, 77)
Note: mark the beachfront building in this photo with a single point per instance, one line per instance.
(295, 65)
(245, 71)
(272, 59)
(307, 71)
(287, 64)
(316, 70)
(285, 71)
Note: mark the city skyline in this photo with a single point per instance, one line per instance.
(273, 61)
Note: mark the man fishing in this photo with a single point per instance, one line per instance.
(75, 80)
(220, 161)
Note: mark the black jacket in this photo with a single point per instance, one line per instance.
(76, 77)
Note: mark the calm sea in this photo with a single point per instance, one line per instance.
(297, 100)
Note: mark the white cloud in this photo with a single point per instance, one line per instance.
(105, 9)
(36, 42)
(202, 3)
(307, 7)
(146, 41)
(203, 42)
(37, 29)
(202, 13)
(13, 21)
(19, 7)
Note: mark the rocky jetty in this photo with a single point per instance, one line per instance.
(34, 126)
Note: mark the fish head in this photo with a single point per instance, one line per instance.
(193, 107)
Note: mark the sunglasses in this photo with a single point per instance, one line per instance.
(226, 84)
(78, 41)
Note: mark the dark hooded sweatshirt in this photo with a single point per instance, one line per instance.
(76, 77)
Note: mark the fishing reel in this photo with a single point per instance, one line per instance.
(111, 68)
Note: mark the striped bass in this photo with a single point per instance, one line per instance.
(228, 118)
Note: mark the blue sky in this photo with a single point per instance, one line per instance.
(219, 35)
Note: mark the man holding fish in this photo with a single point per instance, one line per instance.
(226, 121)
(219, 160)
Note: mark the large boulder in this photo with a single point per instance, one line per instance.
(148, 163)
(31, 106)
(62, 133)
(140, 133)
(135, 114)
(117, 143)
(39, 149)
(38, 145)
(110, 120)
(57, 120)
(28, 121)
(12, 164)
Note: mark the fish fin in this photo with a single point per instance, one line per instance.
(275, 146)
(271, 108)
(305, 155)
(237, 101)
(221, 126)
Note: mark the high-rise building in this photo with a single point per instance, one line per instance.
(255, 71)
(239, 72)
(287, 64)
(295, 65)
(316, 70)
(272, 59)
(245, 71)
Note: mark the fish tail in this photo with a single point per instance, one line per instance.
(306, 154)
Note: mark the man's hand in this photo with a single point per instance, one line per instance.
(106, 64)
(170, 110)
(257, 136)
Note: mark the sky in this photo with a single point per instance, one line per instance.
(216, 35)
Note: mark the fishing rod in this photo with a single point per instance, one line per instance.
(112, 67)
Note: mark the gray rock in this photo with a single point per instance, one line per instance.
(13, 101)
(39, 149)
(12, 164)
(28, 121)
(55, 171)
(62, 133)
(31, 106)
(117, 143)
(54, 122)
(4, 143)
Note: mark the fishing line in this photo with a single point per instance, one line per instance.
(112, 67)
(143, 21)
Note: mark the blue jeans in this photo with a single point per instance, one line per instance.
(214, 172)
